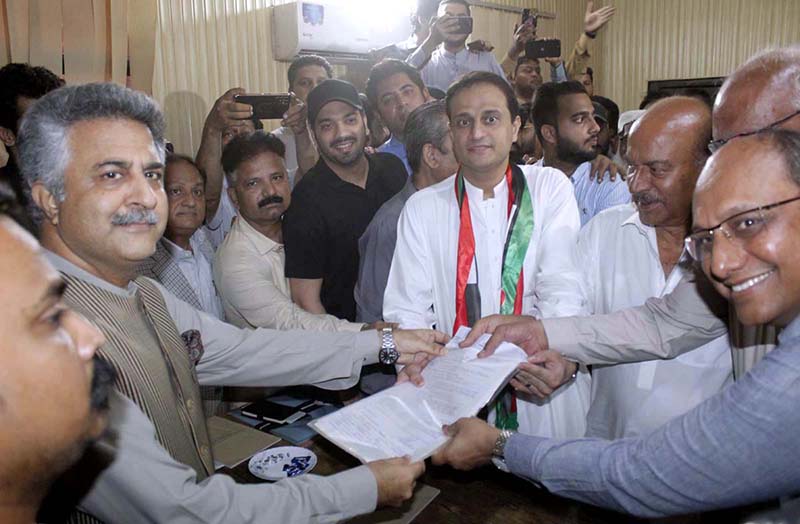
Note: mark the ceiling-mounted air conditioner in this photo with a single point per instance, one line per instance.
(336, 28)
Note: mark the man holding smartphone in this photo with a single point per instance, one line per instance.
(443, 57)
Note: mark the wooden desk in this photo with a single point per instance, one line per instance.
(483, 496)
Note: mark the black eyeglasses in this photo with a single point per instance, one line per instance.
(714, 145)
(739, 228)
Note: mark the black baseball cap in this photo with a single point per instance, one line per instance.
(600, 112)
(331, 91)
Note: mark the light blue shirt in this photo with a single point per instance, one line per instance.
(445, 67)
(398, 149)
(592, 196)
(736, 448)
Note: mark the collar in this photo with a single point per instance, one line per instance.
(636, 222)
(176, 251)
(68, 268)
(325, 174)
(475, 194)
(790, 332)
(262, 243)
(448, 54)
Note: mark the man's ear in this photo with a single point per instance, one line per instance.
(430, 156)
(234, 197)
(550, 134)
(46, 201)
(7, 136)
(426, 95)
(614, 143)
(517, 123)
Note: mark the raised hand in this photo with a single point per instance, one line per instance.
(594, 20)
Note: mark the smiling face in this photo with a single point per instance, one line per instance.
(261, 192)
(187, 198)
(397, 96)
(341, 133)
(761, 276)
(46, 369)
(482, 128)
(115, 207)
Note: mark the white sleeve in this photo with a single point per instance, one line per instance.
(145, 484)
(558, 280)
(408, 299)
(264, 357)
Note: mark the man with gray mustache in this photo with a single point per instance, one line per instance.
(249, 264)
(93, 156)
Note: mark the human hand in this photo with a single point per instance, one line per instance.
(413, 372)
(529, 160)
(523, 33)
(3, 154)
(296, 117)
(226, 112)
(396, 479)
(440, 28)
(410, 342)
(471, 444)
(524, 331)
(480, 46)
(602, 165)
(543, 373)
(594, 20)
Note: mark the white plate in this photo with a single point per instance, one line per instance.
(283, 462)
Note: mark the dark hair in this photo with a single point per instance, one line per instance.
(174, 158)
(427, 124)
(308, 60)
(544, 110)
(524, 60)
(613, 111)
(385, 69)
(18, 80)
(589, 71)
(483, 77)
(462, 2)
(244, 147)
(11, 207)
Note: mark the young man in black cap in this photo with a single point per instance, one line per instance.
(334, 202)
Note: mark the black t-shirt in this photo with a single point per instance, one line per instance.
(326, 218)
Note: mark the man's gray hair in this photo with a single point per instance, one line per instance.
(427, 124)
(43, 134)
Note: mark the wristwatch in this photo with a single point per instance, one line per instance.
(499, 449)
(388, 353)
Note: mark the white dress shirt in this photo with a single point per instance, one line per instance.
(622, 269)
(196, 267)
(443, 68)
(422, 281)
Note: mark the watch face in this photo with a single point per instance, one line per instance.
(388, 355)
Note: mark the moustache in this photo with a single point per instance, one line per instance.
(103, 379)
(645, 199)
(135, 216)
(274, 199)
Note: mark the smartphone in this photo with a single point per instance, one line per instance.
(550, 48)
(266, 107)
(272, 412)
(464, 26)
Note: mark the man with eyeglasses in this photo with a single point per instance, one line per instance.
(762, 94)
(738, 447)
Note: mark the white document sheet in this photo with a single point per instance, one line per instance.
(407, 420)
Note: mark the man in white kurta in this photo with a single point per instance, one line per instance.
(630, 253)
(421, 290)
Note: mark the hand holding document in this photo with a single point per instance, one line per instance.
(406, 420)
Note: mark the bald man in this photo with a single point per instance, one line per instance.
(763, 93)
(740, 446)
(636, 251)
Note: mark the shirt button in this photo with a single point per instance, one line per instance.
(190, 405)
(205, 451)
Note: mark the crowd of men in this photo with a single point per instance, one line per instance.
(658, 302)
